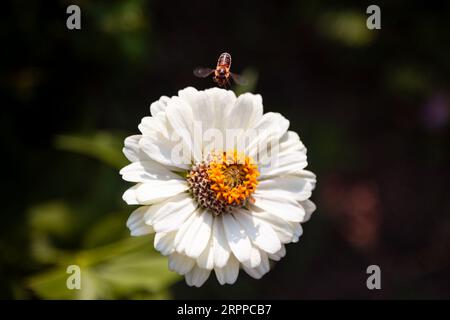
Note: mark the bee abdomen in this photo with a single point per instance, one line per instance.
(224, 60)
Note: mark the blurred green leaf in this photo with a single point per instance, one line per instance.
(52, 217)
(109, 229)
(408, 80)
(347, 27)
(49, 221)
(138, 271)
(103, 146)
(52, 285)
(112, 271)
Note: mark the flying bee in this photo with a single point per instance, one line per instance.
(222, 72)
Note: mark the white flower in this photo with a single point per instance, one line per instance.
(217, 201)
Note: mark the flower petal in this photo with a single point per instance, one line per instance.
(283, 208)
(260, 270)
(292, 187)
(229, 272)
(237, 239)
(181, 118)
(285, 230)
(245, 113)
(165, 151)
(287, 163)
(279, 254)
(170, 215)
(155, 191)
(131, 148)
(163, 242)
(259, 232)
(206, 259)
(159, 106)
(129, 196)
(255, 258)
(186, 242)
(271, 127)
(221, 248)
(197, 276)
(136, 222)
(201, 238)
(309, 207)
(180, 263)
(142, 171)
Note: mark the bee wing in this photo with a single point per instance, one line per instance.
(240, 80)
(202, 72)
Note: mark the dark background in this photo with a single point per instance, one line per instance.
(372, 106)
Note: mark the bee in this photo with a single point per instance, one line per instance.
(222, 72)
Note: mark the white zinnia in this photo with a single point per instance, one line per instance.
(220, 210)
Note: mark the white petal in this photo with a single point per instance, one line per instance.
(131, 148)
(159, 106)
(165, 151)
(255, 258)
(288, 163)
(237, 239)
(151, 126)
(221, 100)
(184, 229)
(206, 259)
(129, 196)
(154, 191)
(308, 176)
(271, 127)
(170, 215)
(298, 231)
(201, 105)
(180, 263)
(285, 230)
(142, 171)
(197, 276)
(291, 142)
(292, 187)
(181, 245)
(136, 222)
(164, 242)
(221, 248)
(259, 232)
(309, 207)
(284, 208)
(279, 254)
(181, 118)
(245, 113)
(228, 273)
(261, 270)
(201, 238)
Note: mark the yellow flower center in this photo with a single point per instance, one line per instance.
(233, 177)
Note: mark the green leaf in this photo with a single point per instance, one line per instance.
(102, 146)
(122, 269)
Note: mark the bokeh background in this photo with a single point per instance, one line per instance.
(371, 106)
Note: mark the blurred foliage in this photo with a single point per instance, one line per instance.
(347, 27)
(102, 146)
(112, 264)
(123, 269)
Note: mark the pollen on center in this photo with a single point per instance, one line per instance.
(223, 181)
